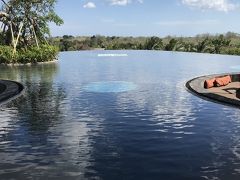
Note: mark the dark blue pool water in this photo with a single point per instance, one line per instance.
(152, 128)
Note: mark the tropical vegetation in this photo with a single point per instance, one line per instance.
(24, 31)
(25, 36)
(228, 43)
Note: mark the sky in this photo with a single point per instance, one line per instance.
(147, 17)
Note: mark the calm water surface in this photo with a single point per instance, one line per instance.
(157, 130)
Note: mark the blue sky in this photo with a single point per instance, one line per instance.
(147, 17)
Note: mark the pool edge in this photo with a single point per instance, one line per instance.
(13, 90)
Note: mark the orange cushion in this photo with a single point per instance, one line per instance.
(223, 81)
(209, 83)
(230, 79)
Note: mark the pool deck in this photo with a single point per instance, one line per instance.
(225, 95)
(10, 90)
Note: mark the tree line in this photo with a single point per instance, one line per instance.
(228, 43)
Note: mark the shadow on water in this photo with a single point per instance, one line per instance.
(42, 98)
(31, 116)
(28, 73)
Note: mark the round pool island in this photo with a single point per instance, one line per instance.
(227, 94)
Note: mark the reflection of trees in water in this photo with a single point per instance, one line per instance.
(42, 104)
(45, 72)
(40, 107)
(29, 119)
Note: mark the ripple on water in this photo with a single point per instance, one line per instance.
(73, 123)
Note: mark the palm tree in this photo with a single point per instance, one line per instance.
(154, 43)
(205, 46)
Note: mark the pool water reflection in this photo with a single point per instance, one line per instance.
(150, 129)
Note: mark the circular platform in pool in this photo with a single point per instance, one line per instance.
(227, 95)
(110, 86)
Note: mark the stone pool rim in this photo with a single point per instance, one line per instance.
(10, 90)
(196, 87)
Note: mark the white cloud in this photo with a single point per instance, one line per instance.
(124, 24)
(219, 5)
(188, 23)
(120, 2)
(89, 5)
(123, 2)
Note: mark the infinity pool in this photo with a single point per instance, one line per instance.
(119, 117)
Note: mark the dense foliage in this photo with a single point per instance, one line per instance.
(27, 18)
(217, 44)
(33, 54)
(24, 30)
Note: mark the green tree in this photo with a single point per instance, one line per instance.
(27, 21)
(154, 43)
(190, 47)
(179, 46)
(171, 45)
(204, 46)
(65, 44)
(220, 42)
